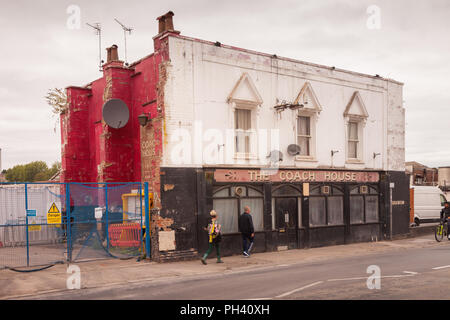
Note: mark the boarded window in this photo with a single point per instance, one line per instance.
(227, 214)
(335, 211)
(256, 211)
(317, 211)
(356, 209)
(372, 209)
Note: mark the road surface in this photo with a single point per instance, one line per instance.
(409, 274)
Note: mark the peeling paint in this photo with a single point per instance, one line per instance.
(169, 187)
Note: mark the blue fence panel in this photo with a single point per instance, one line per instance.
(69, 222)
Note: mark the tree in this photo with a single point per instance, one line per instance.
(32, 172)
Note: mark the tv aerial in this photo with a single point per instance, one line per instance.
(98, 31)
(125, 30)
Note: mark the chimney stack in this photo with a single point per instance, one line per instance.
(113, 54)
(166, 23)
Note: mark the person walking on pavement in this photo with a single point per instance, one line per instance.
(445, 214)
(247, 230)
(215, 237)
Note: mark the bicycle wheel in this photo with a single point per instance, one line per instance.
(438, 233)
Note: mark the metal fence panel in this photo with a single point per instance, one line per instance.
(103, 220)
(47, 243)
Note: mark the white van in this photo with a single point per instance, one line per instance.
(428, 203)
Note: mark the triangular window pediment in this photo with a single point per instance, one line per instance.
(245, 91)
(356, 107)
(308, 98)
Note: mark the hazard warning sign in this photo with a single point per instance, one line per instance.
(53, 215)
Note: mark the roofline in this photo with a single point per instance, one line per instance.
(267, 55)
(282, 58)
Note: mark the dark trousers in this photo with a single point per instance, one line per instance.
(210, 249)
(247, 242)
(448, 225)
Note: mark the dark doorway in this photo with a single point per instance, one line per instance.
(286, 221)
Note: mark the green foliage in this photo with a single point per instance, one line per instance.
(32, 172)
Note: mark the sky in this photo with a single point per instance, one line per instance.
(405, 40)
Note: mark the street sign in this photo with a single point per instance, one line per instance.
(31, 213)
(54, 215)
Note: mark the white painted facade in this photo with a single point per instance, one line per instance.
(206, 83)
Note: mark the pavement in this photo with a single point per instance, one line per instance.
(103, 274)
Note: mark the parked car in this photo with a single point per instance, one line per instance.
(428, 203)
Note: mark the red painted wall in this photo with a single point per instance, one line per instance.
(91, 150)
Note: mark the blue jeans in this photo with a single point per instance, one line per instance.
(247, 241)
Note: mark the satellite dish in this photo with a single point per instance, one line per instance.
(276, 156)
(116, 113)
(294, 150)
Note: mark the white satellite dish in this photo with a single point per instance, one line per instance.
(115, 113)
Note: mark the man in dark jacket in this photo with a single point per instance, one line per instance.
(247, 230)
(445, 214)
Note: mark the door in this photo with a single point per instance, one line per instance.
(286, 222)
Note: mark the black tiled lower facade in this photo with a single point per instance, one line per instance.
(287, 214)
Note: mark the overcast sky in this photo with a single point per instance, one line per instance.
(38, 51)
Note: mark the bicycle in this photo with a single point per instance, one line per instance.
(441, 231)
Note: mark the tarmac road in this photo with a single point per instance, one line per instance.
(406, 274)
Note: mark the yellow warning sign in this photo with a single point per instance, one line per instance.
(33, 227)
(53, 215)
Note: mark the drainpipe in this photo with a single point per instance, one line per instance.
(391, 187)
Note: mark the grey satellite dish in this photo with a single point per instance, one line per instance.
(116, 113)
(294, 150)
(275, 156)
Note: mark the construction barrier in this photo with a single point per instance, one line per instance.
(125, 235)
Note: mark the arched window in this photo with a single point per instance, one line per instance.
(364, 204)
(326, 206)
(229, 203)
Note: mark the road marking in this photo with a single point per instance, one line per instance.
(439, 268)
(399, 276)
(299, 289)
(408, 274)
(348, 279)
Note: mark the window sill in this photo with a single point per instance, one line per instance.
(305, 159)
(363, 224)
(245, 156)
(330, 226)
(354, 161)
